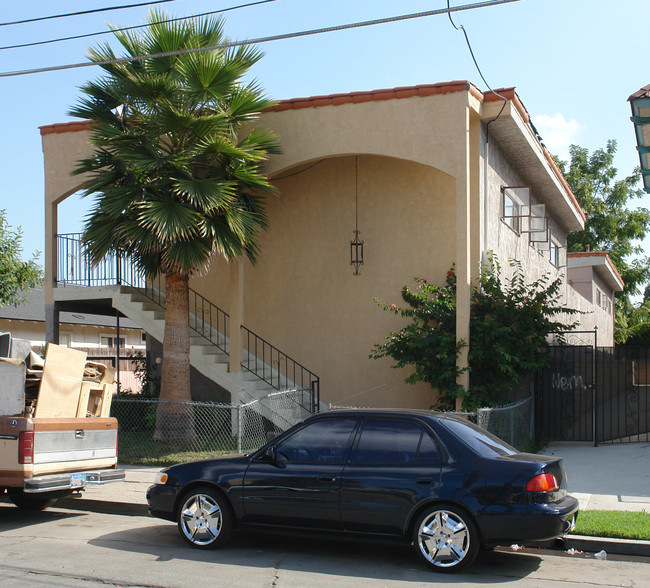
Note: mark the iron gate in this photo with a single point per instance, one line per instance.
(594, 394)
(565, 393)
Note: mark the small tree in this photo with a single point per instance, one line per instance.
(509, 329)
(15, 275)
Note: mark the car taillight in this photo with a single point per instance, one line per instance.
(26, 447)
(543, 483)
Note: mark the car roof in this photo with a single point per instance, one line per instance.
(392, 412)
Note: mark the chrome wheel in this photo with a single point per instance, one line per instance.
(446, 539)
(204, 519)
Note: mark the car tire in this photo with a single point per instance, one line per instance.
(26, 501)
(446, 538)
(204, 518)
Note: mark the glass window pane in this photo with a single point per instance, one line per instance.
(388, 441)
(480, 440)
(428, 452)
(322, 441)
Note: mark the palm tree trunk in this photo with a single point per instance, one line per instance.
(175, 420)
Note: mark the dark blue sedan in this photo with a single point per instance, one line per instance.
(437, 482)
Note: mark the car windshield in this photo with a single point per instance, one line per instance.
(481, 441)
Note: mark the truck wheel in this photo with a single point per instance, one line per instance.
(30, 501)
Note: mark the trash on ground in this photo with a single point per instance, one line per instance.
(601, 554)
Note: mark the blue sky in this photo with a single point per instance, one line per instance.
(573, 62)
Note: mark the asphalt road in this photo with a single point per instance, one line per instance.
(75, 548)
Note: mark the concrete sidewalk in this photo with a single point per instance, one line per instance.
(607, 477)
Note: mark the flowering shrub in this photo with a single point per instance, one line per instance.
(509, 327)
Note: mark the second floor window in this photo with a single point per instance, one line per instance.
(554, 254)
(111, 342)
(511, 212)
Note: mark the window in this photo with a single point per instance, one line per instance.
(511, 211)
(324, 441)
(603, 301)
(484, 443)
(393, 441)
(554, 254)
(108, 341)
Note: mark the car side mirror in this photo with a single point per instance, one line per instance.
(270, 455)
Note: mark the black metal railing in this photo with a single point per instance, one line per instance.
(276, 368)
(206, 319)
(75, 268)
(209, 321)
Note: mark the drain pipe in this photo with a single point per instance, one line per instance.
(486, 187)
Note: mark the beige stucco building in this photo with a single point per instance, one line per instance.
(430, 176)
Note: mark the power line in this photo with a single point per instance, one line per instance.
(259, 40)
(82, 12)
(142, 26)
(471, 52)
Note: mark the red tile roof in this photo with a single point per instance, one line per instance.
(375, 95)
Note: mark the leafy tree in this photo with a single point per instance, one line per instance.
(614, 223)
(509, 327)
(176, 168)
(15, 275)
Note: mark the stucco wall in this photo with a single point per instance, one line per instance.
(501, 239)
(303, 296)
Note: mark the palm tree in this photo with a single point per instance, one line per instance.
(176, 168)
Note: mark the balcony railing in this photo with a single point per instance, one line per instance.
(206, 319)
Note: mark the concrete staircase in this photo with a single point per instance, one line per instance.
(246, 387)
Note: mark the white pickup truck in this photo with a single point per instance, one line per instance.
(59, 438)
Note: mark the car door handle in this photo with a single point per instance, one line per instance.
(326, 479)
(423, 481)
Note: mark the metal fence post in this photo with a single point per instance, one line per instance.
(239, 428)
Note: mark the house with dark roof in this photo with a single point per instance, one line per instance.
(96, 334)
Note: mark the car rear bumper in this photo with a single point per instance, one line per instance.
(529, 523)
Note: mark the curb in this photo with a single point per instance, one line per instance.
(608, 544)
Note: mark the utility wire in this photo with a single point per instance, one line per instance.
(256, 41)
(91, 11)
(471, 52)
(142, 26)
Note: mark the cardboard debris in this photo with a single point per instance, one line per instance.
(58, 395)
(12, 387)
(64, 385)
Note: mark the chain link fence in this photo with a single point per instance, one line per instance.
(514, 423)
(152, 429)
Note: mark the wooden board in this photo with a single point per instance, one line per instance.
(58, 395)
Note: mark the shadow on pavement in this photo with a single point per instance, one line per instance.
(13, 518)
(333, 556)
